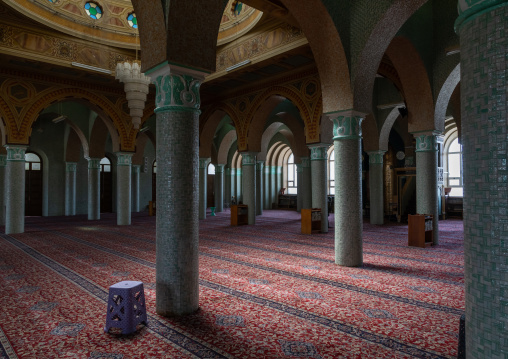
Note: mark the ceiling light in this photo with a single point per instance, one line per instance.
(59, 119)
(240, 64)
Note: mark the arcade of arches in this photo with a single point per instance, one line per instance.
(376, 107)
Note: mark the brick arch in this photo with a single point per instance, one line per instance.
(224, 147)
(75, 142)
(386, 128)
(415, 83)
(208, 127)
(99, 136)
(123, 138)
(370, 58)
(444, 97)
(9, 126)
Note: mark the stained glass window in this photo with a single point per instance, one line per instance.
(52, 1)
(132, 20)
(93, 10)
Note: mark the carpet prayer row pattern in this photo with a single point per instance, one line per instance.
(266, 291)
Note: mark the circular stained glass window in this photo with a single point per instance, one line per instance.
(93, 10)
(132, 20)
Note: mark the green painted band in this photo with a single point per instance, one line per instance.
(10, 160)
(177, 109)
(319, 159)
(336, 138)
(477, 10)
(431, 150)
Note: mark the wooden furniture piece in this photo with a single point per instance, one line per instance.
(151, 208)
(287, 200)
(239, 214)
(311, 220)
(420, 230)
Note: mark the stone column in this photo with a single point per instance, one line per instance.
(347, 136)
(299, 187)
(426, 179)
(203, 174)
(3, 190)
(219, 188)
(136, 170)
(15, 189)
(94, 190)
(377, 215)
(123, 188)
(227, 185)
(259, 186)
(70, 188)
(483, 52)
(249, 183)
(306, 183)
(239, 189)
(318, 164)
(177, 217)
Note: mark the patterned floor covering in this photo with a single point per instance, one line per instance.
(266, 291)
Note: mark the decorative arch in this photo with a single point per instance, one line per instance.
(75, 138)
(415, 82)
(225, 146)
(126, 139)
(98, 138)
(444, 97)
(370, 58)
(137, 158)
(8, 123)
(208, 127)
(386, 128)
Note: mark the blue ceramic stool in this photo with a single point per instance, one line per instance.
(213, 211)
(126, 307)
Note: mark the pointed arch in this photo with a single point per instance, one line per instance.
(98, 137)
(444, 97)
(386, 128)
(8, 124)
(208, 126)
(225, 145)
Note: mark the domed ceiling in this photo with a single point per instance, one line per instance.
(114, 22)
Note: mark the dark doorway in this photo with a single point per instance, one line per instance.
(33, 185)
(106, 179)
(210, 186)
(154, 180)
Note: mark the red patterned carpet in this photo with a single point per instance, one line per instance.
(266, 291)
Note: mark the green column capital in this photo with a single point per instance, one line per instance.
(376, 157)
(16, 153)
(426, 142)
(260, 165)
(94, 163)
(470, 9)
(124, 158)
(248, 158)
(219, 168)
(305, 162)
(136, 169)
(3, 160)
(71, 166)
(177, 88)
(203, 162)
(319, 152)
(347, 125)
(299, 168)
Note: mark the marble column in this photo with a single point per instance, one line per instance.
(177, 216)
(299, 187)
(136, 170)
(219, 188)
(249, 184)
(426, 178)
(3, 190)
(318, 164)
(123, 188)
(94, 189)
(306, 183)
(483, 52)
(203, 176)
(70, 188)
(239, 185)
(259, 186)
(347, 136)
(15, 189)
(377, 215)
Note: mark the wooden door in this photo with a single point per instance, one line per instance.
(33, 185)
(210, 191)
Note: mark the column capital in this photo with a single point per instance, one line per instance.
(248, 158)
(136, 169)
(426, 141)
(177, 88)
(305, 162)
(260, 165)
(3, 160)
(94, 163)
(204, 162)
(71, 166)
(347, 125)
(470, 9)
(124, 158)
(299, 168)
(16, 153)
(318, 152)
(376, 157)
(219, 168)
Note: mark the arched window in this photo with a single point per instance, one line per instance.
(33, 185)
(455, 169)
(105, 165)
(292, 176)
(331, 173)
(211, 169)
(154, 167)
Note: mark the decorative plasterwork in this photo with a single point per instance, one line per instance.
(233, 26)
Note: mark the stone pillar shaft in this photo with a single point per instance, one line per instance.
(259, 187)
(376, 187)
(3, 164)
(136, 169)
(219, 188)
(348, 188)
(483, 71)
(426, 179)
(94, 190)
(15, 195)
(70, 188)
(177, 217)
(123, 188)
(318, 164)
(203, 174)
(249, 184)
(299, 187)
(306, 183)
